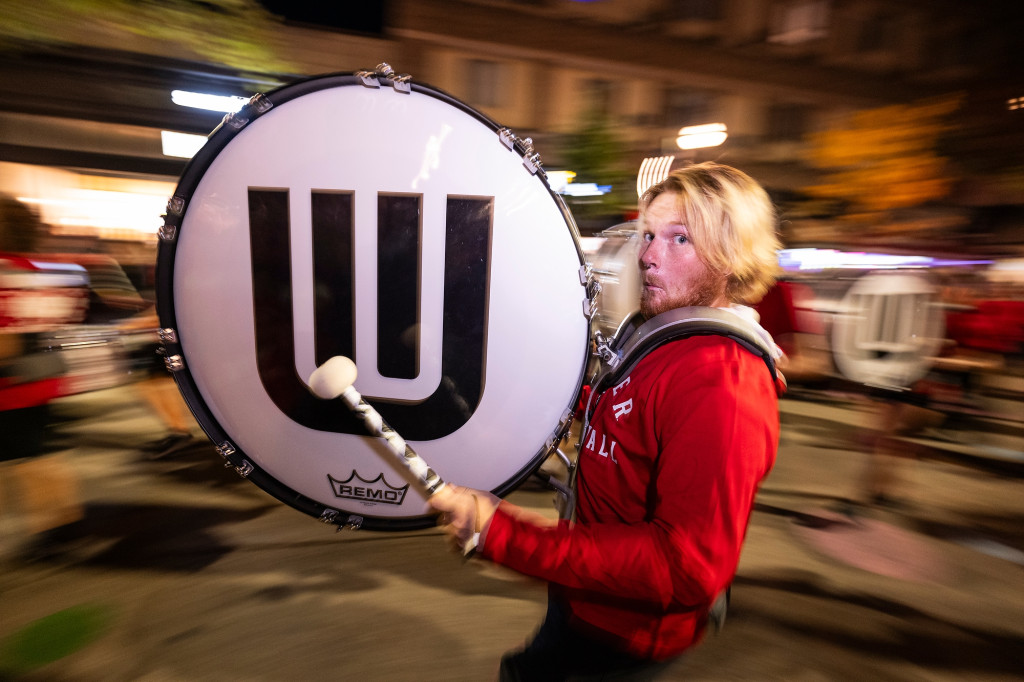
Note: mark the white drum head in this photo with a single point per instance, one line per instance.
(395, 228)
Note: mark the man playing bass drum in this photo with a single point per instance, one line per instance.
(670, 460)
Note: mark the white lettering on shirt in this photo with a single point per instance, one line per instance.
(615, 391)
(600, 451)
(622, 408)
(609, 452)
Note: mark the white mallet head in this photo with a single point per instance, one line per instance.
(330, 379)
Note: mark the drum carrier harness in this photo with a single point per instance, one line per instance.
(633, 340)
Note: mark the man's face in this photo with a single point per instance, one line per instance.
(672, 274)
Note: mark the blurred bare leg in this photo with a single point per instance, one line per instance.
(163, 396)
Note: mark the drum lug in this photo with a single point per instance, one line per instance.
(399, 81)
(243, 469)
(531, 159)
(507, 137)
(371, 79)
(168, 232)
(353, 522)
(176, 205)
(560, 432)
(329, 515)
(236, 119)
(167, 335)
(174, 363)
(586, 273)
(565, 423)
(260, 103)
(593, 287)
(257, 104)
(225, 449)
(603, 350)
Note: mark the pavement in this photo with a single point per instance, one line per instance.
(179, 570)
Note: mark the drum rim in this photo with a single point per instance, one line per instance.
(194, 172)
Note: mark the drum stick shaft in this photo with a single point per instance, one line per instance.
(416, 465)
(376, 425)
(335, 379)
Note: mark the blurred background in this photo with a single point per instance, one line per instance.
(890, 136)
(887, 127)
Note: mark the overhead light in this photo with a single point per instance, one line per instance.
(698, 137)
(201, 100)
(181, 145)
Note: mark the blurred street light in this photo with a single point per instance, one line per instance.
(202, 100)
(699, 137)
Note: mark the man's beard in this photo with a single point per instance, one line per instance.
(702, 292)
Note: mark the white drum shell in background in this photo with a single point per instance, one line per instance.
(616, 267)
(888, 329)
(367, 141)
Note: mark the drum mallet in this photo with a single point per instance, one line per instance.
(335, 379)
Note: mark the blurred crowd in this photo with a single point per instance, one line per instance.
(70, 324)
(980, 316)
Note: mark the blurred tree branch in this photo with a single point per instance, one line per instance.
(597, 155)
(886, 159)
(235, 33)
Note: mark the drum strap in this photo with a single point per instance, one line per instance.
(636, 338)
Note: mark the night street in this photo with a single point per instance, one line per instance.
(181, 570)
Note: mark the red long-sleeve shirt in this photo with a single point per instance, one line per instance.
(667, 476)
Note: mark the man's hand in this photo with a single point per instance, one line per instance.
(465, 513)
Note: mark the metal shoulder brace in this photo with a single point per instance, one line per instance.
(636, 338)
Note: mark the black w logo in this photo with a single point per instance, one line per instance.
(466, 276)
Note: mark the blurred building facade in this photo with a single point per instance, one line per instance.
(82, 115)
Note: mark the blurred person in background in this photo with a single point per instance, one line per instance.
(897, 415)
(978, 337)
(113, 299)
(670, 461)
(88, 301)
(784, 312)
(39, 492)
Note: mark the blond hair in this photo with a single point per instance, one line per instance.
(731, 222)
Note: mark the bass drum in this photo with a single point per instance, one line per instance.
(889, 329)
(368, 216)
(615, 266)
